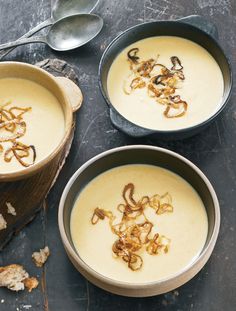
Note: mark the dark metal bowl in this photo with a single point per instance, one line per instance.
(194, 28)
(139, 155)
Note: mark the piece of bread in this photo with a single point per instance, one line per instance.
(31, 283)
(10, 209)
(3, 223)
(12, 276)
(41, 257)
(15, 278)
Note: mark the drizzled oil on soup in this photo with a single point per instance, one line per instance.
(138, 224)
(31, 123)
(165, 83)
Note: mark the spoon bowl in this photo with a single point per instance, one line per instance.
(64, 8)
(74, 31)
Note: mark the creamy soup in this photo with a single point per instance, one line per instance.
(43, 123)
(200, 85)
(184, 227)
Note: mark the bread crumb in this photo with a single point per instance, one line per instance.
(2, 300)
(15, 278)
(10, 209)
(12, 276)
(3, 223)
(30, 283)
(41, 257)
(27, 307)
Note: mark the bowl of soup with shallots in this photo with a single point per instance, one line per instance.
(139, 220)
(35, 119)
(168, 79)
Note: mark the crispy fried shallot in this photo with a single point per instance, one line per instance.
(158, 244)
(133, 83)
(161, 82)
(145, 67)
(176, 108)
(132, 55)
(20, 151)
(134, 231)
(176, 63)
(153, 91)
(137, 83)
(11, 120)
(97, 214)
(15, 126)
(159, 79)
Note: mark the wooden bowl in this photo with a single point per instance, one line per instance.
(139, 155)
(68, 94)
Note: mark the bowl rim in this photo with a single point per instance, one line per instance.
(68, 118)
(75, 256)
(221, 107)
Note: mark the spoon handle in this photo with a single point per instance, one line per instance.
(40, 39)
(37, 28)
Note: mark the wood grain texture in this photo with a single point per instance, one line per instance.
(213, 150)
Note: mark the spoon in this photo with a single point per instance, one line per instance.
(66, 34)
(60, 9)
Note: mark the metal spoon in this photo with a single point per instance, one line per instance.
(64, 8)
(60, 9)
(67, 33)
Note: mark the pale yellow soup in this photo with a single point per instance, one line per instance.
(202, 88)
(45, 123)
(186, 227)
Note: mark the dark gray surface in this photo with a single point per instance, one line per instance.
(213, 151)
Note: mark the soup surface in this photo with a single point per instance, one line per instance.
(185, 227)
(40, 125)
(194, 91)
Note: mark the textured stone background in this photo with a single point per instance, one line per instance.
(213, 150)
